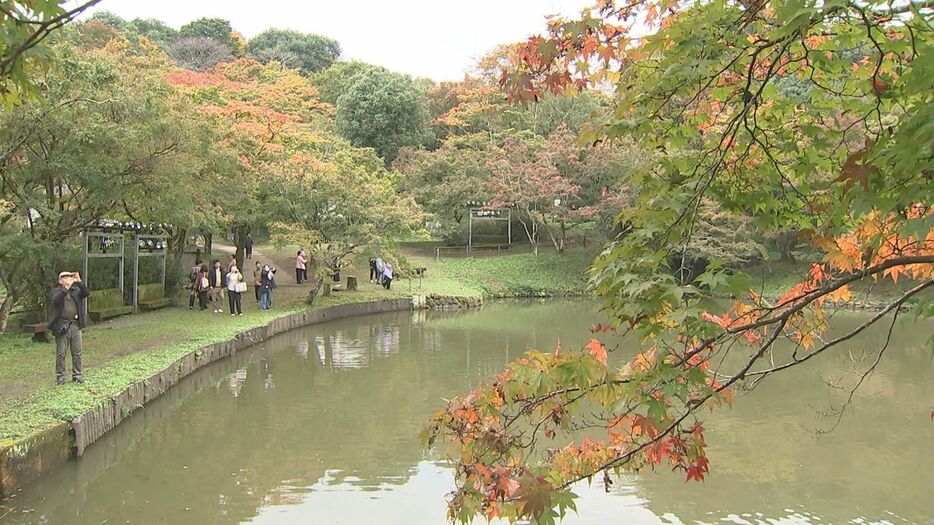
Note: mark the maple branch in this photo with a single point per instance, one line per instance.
(690, 409)
(879, 315)
(840, 411)
(43, 29)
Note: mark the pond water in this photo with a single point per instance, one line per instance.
(321, 425)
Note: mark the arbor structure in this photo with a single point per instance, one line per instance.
(846, 159)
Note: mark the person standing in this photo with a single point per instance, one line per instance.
(372, 270)
(235, 286)
(231, 262)
(387, 275)
(66, 319)
(379, 270)
(193, 283)
(301, 273)
(257, 279)
(216, 280)
(268, 283)
(248, 245)
(204, 287)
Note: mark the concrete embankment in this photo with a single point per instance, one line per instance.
(26, 459)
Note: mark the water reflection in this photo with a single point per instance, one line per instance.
(321, 425)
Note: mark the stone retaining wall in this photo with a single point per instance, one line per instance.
(26, 459)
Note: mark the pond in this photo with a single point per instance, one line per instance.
(321, 425)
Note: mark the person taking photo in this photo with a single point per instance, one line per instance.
(67, 317)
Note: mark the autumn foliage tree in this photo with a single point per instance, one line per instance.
(89, 150)
(845, 158)
(306, 184)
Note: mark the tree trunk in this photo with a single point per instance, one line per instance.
(313, 293)
(5, 308)
(177, 244)
(208, 242)
(240, 253)
(786, 242)
(564, 234)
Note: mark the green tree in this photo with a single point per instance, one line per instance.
(306, 52)
(112, 19)
(89, 151)
(334, 81)
(215, 28)
(384, 111)
(443, 181)
(155, 30)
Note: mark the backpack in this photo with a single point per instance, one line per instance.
(193, 276)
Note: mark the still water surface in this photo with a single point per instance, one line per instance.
(321, 426)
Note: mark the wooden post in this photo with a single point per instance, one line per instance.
(84, 266)
(509, 227)
(469, 228)
(135, 272)
(351, 283)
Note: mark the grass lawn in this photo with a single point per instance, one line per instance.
(122, 351)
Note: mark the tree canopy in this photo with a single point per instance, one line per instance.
(303, 51)
(120, 132)
(383, 110)
(218, 29)
(333, 81)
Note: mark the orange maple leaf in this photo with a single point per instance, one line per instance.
(597, 350)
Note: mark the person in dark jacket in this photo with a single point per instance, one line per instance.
(204, 286)
(67, 317)
(217, 278)
(267, 284)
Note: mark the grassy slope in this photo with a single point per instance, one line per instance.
(122, 351)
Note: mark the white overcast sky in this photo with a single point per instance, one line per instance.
(438, 39)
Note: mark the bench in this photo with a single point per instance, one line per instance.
(39, 331)
(152, 297)
(104, 304)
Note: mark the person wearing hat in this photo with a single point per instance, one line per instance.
(66, 319)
